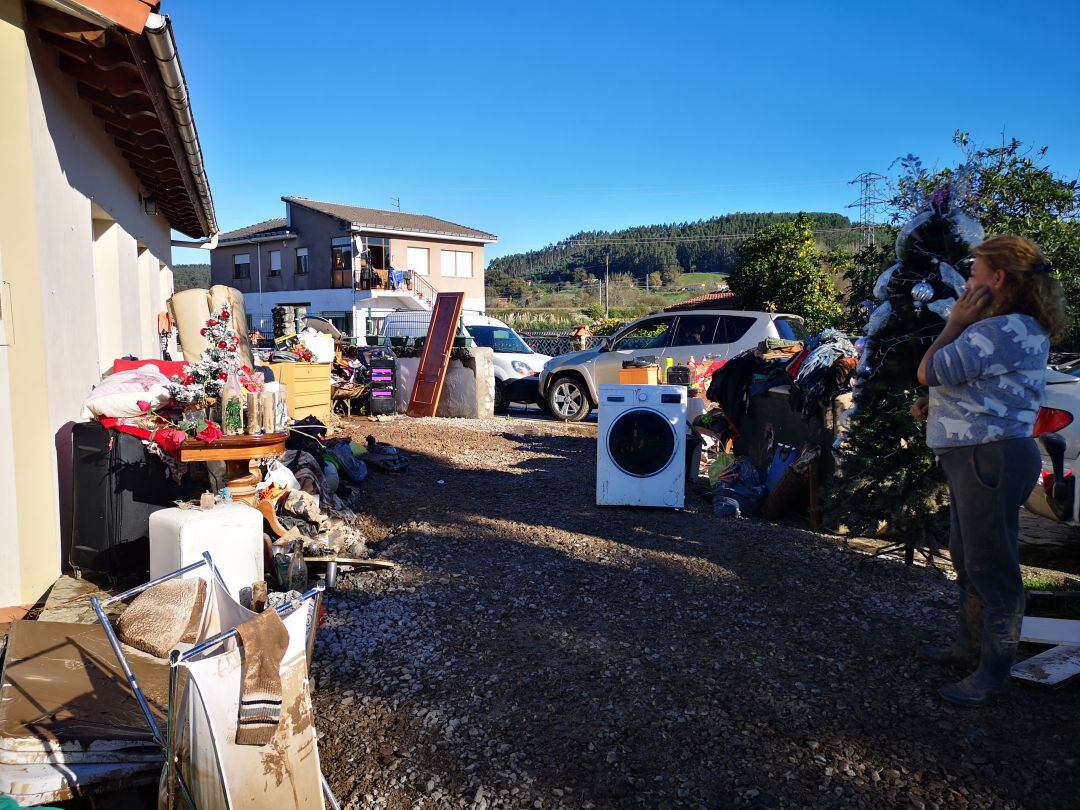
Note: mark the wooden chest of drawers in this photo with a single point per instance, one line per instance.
(308, 388)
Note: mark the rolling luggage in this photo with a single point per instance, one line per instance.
(116, 486)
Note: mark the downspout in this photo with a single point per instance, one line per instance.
(159, 35)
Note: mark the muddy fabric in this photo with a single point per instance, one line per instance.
(162, 616)
(263, 641)
(988, 483)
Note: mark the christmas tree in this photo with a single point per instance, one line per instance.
(888, 478)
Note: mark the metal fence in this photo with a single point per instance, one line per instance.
(555, 343)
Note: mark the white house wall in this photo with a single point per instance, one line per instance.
(58, 168)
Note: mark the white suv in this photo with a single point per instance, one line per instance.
(570, 383)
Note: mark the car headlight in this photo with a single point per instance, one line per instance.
(520, 367)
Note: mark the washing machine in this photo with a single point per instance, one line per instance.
(641, 446)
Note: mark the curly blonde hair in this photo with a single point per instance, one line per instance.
(1029, 287)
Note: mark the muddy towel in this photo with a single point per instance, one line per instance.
(263, 640)
(163, 616)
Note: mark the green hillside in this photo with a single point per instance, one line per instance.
(191, 277)
(705, 246)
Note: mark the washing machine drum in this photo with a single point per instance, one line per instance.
(641, 443)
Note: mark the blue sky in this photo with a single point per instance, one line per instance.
(536, 120)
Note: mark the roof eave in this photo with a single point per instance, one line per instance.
(450, 237)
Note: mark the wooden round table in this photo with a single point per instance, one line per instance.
(241, 455)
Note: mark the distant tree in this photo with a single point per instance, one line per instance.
(191, 277)
(655, 280)
(780, 267)
(671, 275)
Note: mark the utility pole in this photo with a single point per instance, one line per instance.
(397, 203)
(869, 200)
(607, 284)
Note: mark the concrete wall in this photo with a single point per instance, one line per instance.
(76, 304)
(469, 390)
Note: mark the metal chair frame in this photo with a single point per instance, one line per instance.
(177, 657)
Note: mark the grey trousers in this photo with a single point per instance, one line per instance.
(988, 483)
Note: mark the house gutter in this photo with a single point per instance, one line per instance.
(159, 35)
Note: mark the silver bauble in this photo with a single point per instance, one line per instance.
(922, 292)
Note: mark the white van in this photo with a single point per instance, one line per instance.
(517, 367)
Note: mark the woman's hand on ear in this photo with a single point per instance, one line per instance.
(970, 307)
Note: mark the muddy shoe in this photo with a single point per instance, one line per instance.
(973, 692)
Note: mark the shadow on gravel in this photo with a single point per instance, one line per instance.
(683, 660)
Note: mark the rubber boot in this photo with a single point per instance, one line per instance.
(1001, 637)
(964, 651)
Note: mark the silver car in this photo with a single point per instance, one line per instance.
(569, 383)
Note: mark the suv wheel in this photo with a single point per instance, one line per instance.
(568, 399)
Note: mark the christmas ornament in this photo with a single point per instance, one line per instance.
(881, 287)
(967, 228)
(952, 277)
(878, 318)
(942, 307)
(922, 292)
(908, 240)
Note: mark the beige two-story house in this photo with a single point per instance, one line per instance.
(350, 264)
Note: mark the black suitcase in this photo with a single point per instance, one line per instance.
(116, 486)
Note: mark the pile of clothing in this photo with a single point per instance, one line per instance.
(821, 370)
(816, 370)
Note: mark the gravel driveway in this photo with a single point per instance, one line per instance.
(532, 650)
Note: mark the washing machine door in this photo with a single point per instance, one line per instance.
(641, 442)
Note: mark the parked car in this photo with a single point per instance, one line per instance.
(517, 367)
(570, 383)
(1060, 414)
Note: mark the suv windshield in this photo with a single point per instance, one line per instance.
(501, 339)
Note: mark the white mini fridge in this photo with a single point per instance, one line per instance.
(231, 532)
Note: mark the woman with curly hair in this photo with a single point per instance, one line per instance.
(987, 373)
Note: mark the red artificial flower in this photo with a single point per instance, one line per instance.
(210, 433)
(188, 379)
(144, 406)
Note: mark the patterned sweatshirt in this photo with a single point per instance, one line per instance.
(987, 384)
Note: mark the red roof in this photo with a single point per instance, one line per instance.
(721, 300)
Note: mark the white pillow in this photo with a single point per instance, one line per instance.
(119, 394)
